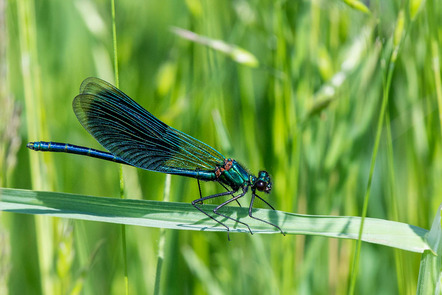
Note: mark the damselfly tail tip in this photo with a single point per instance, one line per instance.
(30, 145)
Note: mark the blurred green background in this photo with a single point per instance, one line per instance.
(305, 109)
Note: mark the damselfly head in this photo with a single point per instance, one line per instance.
(263, 182)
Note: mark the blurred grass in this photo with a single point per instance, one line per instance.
(307, 114)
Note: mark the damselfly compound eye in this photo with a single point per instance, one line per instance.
(261, 185)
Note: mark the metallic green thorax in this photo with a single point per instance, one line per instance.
(235, 176)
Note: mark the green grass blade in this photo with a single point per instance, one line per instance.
(238, 54)
(431, 263)
(183, 216)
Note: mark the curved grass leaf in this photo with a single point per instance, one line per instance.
(431, 262)
(183, 216)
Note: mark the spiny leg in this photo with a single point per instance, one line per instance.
(232, 194)
(196, 202)
(251, 216)
(227, 202)
(265, 201)
(199, 188)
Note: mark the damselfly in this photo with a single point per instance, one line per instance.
(133, 136)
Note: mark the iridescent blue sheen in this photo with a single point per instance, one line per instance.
(135, 137)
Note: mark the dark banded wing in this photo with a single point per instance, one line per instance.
(133, 134)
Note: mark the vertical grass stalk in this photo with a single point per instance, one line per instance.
(162, 240)
(385, 97)
(122, 190)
